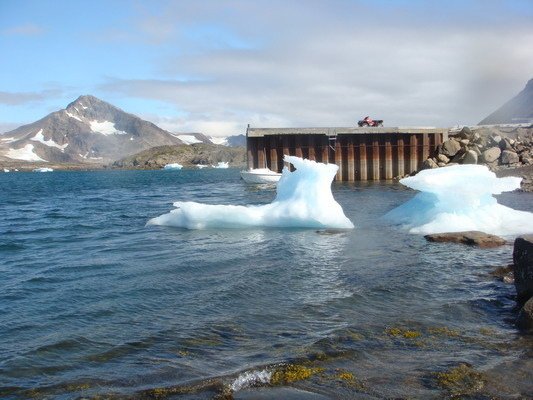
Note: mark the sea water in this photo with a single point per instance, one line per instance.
(93, 302)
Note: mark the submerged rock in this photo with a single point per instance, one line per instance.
(472, 238)
(523, 267)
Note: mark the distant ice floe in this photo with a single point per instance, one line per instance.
(304, 200)
(201, 166)
(105, 128)
(25, 153)
(460, 198)
(43, 170)
(39, 137)
(6, 170)
(222, 165)
(173, 166)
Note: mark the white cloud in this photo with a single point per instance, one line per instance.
(28, 29)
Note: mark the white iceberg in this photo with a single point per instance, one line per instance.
(6, 170)
(173, 166)
(201, 166)
(460, 198)
(304, 200)
(44, 169)
(222, 164)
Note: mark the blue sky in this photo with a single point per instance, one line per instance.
(215, 66)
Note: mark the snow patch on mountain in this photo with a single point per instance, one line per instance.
(105, 128)
(39, 137)
(223, 141)
(188, 139)
(73, 116)
(26, 154)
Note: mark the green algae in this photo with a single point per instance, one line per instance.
(405, 333)
(444, 331)
(292, 373)
(461, 380)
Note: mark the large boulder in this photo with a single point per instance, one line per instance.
(472, 238)
(509, 157)
(442, 158)
(470, 157)
(525, 317)
(429, 164)
(492, 154)
(523, 267)
(450, 147)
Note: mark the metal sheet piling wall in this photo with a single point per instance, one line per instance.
(363, 154)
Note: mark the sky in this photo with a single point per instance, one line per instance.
(214, 66)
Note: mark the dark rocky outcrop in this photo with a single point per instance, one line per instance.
(523, 267)
(472, 238)
(523, 274)
(525, 316)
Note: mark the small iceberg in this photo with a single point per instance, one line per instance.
(303, 200)
(44, 169)
(260, 175)
(222, 165)
(6, 170)
(173, 166)
(201, 166)
(460, 198)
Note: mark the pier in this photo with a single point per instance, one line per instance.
(362, 154)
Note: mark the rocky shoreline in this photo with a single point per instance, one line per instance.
(507, 151)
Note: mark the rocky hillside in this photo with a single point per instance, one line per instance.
(516, 111)
(188, 156)
(88, 130)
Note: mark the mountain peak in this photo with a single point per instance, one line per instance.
(517, 110)
(87, 100)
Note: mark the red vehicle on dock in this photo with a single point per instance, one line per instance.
(367, 121)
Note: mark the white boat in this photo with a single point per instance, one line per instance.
(260, 175)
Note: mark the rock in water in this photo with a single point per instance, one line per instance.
(523, 267)
(472, 238)
(525, 317)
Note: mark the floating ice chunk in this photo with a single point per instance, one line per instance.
(173, 166)
(201, 166)
(44, 169)
(304, 200)
(460, 198)
(6, 170)
(222, 164)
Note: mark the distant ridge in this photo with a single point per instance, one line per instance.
(518, 110)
